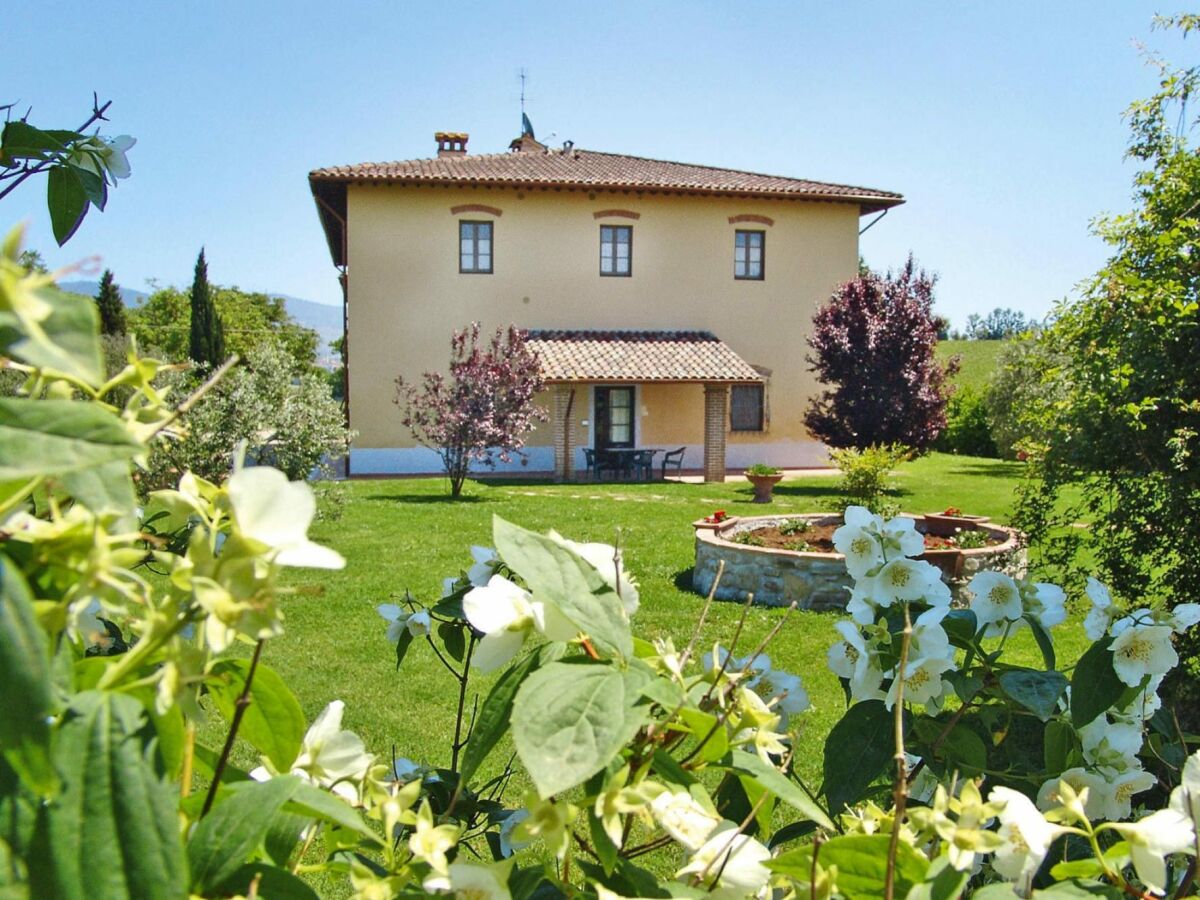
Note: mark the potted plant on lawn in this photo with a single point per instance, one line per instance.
(763, 478)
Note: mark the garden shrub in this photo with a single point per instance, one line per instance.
(873, 348)
(1028, 382)
(968, 431)
(286, 420)
(865, 473)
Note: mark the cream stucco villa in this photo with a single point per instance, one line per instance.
(668, 302)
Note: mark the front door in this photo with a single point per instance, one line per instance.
(614, 418)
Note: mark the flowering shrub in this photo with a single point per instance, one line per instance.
(1003, 773)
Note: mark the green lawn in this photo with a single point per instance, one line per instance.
(400, 535)
(977, 358)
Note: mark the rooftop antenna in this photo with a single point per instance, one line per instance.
(526, 125)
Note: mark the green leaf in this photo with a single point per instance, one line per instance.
(961, 750)
(1057, 745)
(779, 785)
(1000, 891)
(492, 721)
(453, 639)
(705, 727)
(113, 831)
(861, 861)
(53, 437)
(103, 489)
(66, 339)
(1037, 691)
(312, 801)
(1077, 868)
(67, 200)
(961, 626)
(234, 829)
(402, 644)
(273, 722)
(1044, 641)
(20, 140)
(857, 751)
(27, 699)
(271, 882)
(569, 720)
(1081, 888)
(602, 844)
(1094, 684)
(669, 770)
(556, 575)
(942, 882)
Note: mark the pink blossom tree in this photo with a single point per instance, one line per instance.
(482, 412)
(873, 346)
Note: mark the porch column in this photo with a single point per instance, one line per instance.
(564, 452)
(716, 399)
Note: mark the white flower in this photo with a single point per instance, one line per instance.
(996, 600)
(479, 881)
(396, 618)
(1185, 798)
(276, 513)
(606, 560)
(853, 660)
(929, 638)
(1154, 838)
(862, 606)
(1143, 650)
(1114, 745)
(485, 565)
(683, 818)
(901, 533)
(1142, 616)
(429, 842)
(793, 698)
(904, 579)
(860, 547)
(1046, 603)
(1026, 834)
(1102, 611)
(1184, 616)
(1080, 780)
(504, 613)
(332, 758)
(508, 843)
(1117, 792)
(83, 624)
(922, 681)
(419, 623)
(738, 857)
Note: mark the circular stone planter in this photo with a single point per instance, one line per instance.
(820, 581)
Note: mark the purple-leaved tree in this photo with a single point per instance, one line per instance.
(482, 412)
(873, 346)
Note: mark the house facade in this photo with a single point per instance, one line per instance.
(669, 302)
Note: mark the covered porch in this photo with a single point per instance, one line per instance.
(597, 379)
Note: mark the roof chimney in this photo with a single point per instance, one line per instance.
(451, 143)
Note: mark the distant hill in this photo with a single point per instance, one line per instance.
(322, 318)
(91, 288)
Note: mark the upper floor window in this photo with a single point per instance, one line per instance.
(748, 252)
(746, 407)
(475, 247)
(616, 249)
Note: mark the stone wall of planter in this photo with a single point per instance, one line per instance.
(818, 581)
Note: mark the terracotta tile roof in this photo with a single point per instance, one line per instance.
(585, 169)
(671, 356)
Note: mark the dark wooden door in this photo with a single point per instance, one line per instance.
(614, 417)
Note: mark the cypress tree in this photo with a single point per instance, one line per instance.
(109, 305)
(207, 346)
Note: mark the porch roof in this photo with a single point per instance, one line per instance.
(639, 356)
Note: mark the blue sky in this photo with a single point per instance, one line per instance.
(1000, 122)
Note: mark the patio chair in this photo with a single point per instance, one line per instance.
(589, 461)
(673, 459)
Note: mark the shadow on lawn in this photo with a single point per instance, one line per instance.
(998, 469)
(683, 580)
(424, 498)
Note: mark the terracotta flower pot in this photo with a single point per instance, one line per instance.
(763, 486)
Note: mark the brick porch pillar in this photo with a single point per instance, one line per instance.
(716, 399)
(564, 452)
